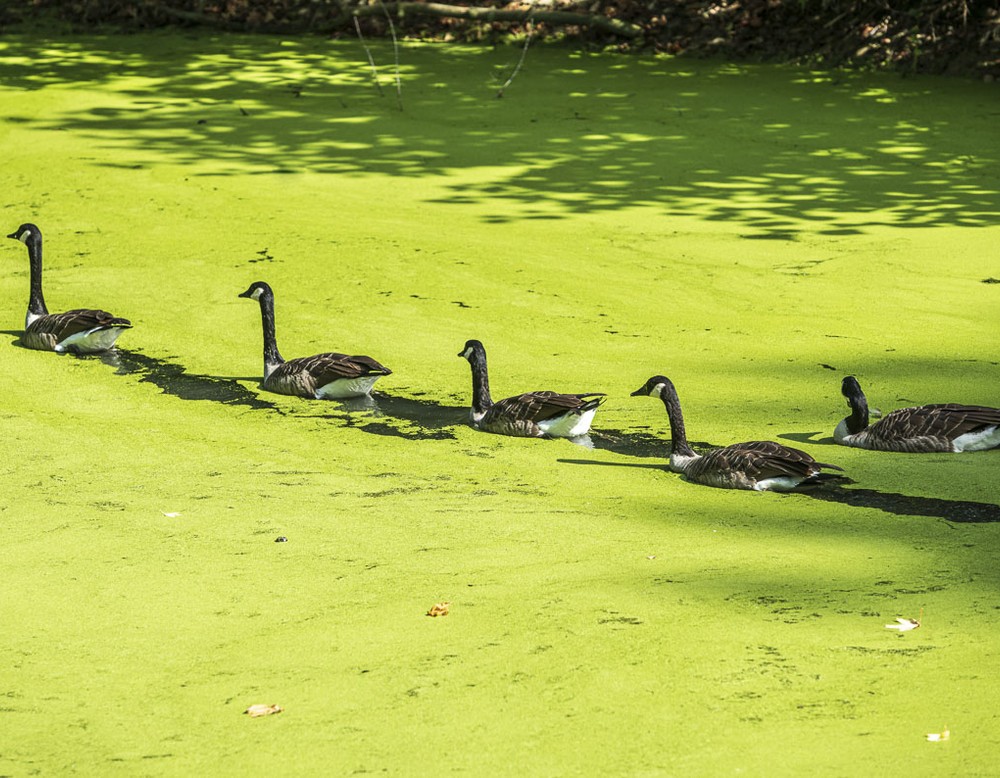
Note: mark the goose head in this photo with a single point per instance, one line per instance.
(257, 291)
(26, 233)
(653, 387)
(858, 404)
(850, 388)
(471, 348)
(853, 393)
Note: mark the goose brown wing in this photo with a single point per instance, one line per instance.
(539, 406)
(948, 421)
(783, 453)
(329, 367)
(760, 460)
(68, 323)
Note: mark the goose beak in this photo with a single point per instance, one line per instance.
(13, 235)
(639, 392)
(244, 294)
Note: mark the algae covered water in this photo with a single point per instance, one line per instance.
(755, 233)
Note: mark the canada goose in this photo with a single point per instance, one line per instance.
(82, 330)
(759, 465)
(323, 376)
(530, 415)
(925, 428)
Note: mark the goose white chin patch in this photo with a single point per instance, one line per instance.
(657, 391)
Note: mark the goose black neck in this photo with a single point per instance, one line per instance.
(858, 420)
(481, 400)
(678, 435)
(36, 301)
(271, 354)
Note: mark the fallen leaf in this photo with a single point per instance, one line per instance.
(170, 515)
(937, 737)
(262, 710)
(903, 625)
(439, 609)
(651, 556)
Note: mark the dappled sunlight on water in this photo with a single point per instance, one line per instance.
(831, 149)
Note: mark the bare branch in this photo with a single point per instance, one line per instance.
(371, 60)
(517, 68)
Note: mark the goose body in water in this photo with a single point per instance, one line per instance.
(328, 376)
(529, 415)
(926, 428)
(760, 465)
(81, 330)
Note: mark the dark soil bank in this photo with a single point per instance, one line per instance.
(928, 36)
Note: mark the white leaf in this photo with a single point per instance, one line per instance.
(255, 711)
(903, 625)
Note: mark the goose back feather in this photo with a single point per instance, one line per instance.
(81, 330)
(532, 414)
(943, 427)
(327, 376)
(759, 465)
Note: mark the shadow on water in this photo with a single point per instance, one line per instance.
(638, 444)
(649, 446)
(664, 467)
(809, 437)
(422, 419)
(961, 511)
(172, 379)
(678, 154)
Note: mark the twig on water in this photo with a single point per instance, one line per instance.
(395, 51)
(517, 68)
(371, 60)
